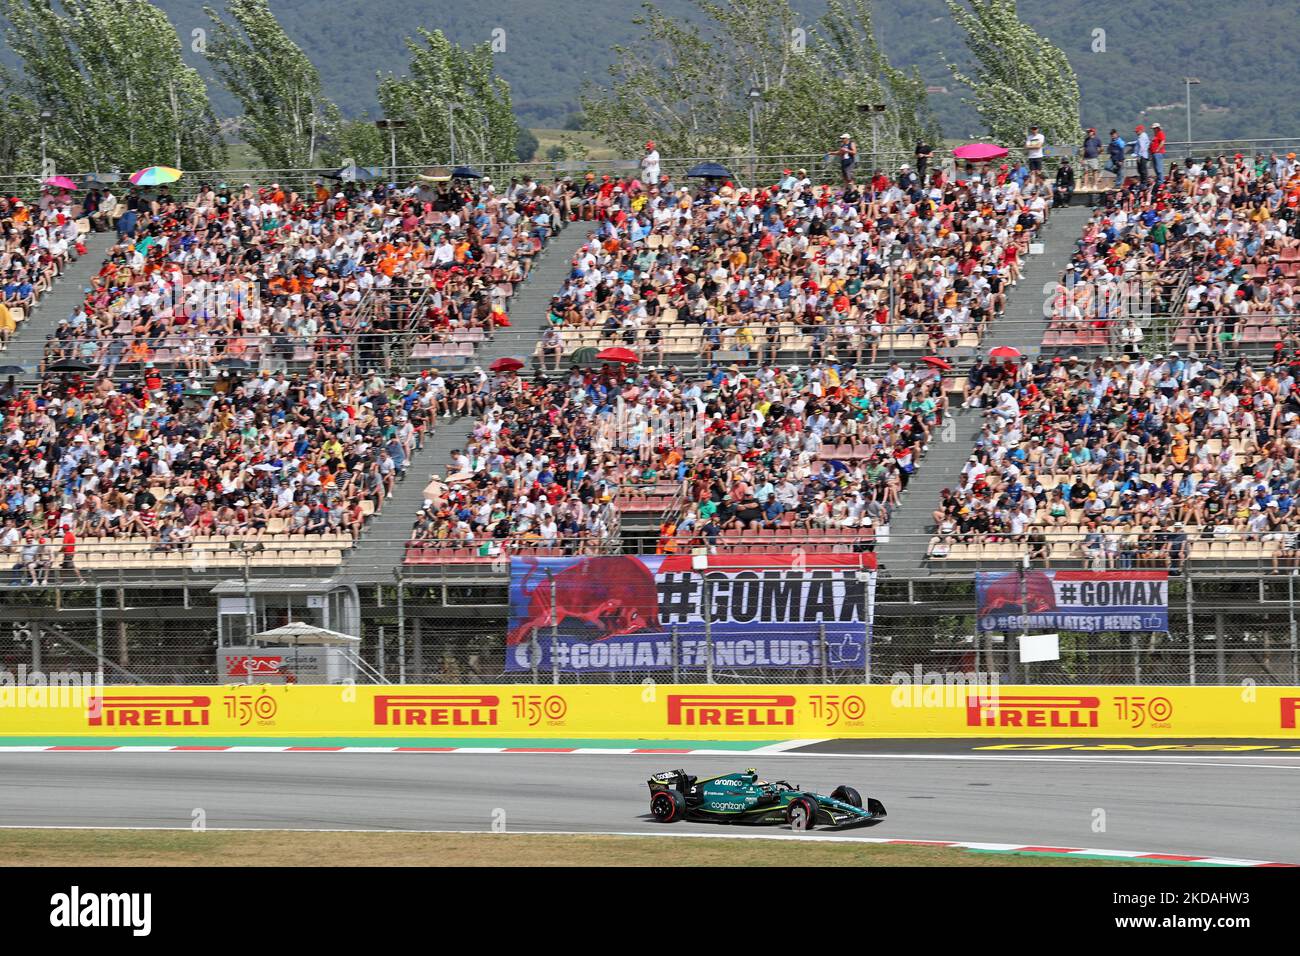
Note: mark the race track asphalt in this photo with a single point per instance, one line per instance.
(1222, 806)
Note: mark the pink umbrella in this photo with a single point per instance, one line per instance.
(60, 182)
(980, 152)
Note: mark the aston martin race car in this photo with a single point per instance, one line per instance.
(743, 798)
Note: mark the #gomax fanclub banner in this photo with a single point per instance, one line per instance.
(626, 612)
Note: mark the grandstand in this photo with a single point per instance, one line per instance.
(285, 355)
(330, 388)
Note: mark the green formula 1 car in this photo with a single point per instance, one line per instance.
(743, 798)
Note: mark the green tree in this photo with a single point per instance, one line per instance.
(688, 86)
(1020, 79)
(285, 116)
(856, 73)
(20, 127)
(450, 87)
(111, 75)
(359, 141)
(525, 145)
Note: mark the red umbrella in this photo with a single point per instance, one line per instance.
(939, 363)
(1005, 352)
(980, 152)
(618, 354)
(506, 365)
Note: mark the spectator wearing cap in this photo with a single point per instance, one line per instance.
(650, 165)
(1064, 189)
(1158, 152)
(923, 153)
(1091, 159)
(847, 152)
(1142, 150)
(1035, 143)
(1117, 149)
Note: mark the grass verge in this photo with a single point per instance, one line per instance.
(283, 848)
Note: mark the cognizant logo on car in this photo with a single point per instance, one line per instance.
(436, 710)
(731, 710)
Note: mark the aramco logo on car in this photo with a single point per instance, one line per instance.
(731, 710)
(436, 710)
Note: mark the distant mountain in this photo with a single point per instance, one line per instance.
(1245, 52)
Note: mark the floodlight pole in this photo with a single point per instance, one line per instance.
(755, 97)
(1188, 83)
(451, 129)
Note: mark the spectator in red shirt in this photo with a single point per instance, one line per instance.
(69, 554)
(1158, 152)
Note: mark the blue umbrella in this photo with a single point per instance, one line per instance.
(465, 172)
(709, 171)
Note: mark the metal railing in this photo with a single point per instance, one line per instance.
(747, 170)
(1116, 545)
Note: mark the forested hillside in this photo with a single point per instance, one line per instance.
(550, 47)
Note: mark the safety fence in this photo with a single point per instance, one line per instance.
(1114, 540)
(745, 627)
(745, 166)
(747, 169)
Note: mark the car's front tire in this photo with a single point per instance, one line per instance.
(847, 795)
(801, 813)
(667, 806)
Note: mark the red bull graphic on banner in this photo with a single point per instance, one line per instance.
(638, 612)
(1090, 601)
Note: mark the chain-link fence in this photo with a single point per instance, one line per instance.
(1222, 630)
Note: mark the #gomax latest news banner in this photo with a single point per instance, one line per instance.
(620, 612)
(1088, 601)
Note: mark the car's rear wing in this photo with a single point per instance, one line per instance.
(669, 780)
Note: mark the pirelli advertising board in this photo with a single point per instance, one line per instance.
(651, 712)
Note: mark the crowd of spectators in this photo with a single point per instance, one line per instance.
(1222, 233)
(38, 241)
(326, 279)
(540, 471)
(815, 457)
(796, 267)
(813, 452)
(165, 463)
(1127, 462)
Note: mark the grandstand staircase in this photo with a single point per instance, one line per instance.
(911, 524)
(383, 543)
(27, 346)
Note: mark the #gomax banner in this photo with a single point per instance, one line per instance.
(1088, 601)
(626, 612)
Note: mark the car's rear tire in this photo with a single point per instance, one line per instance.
(847, 795)
(667, 806)
(801, 813)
